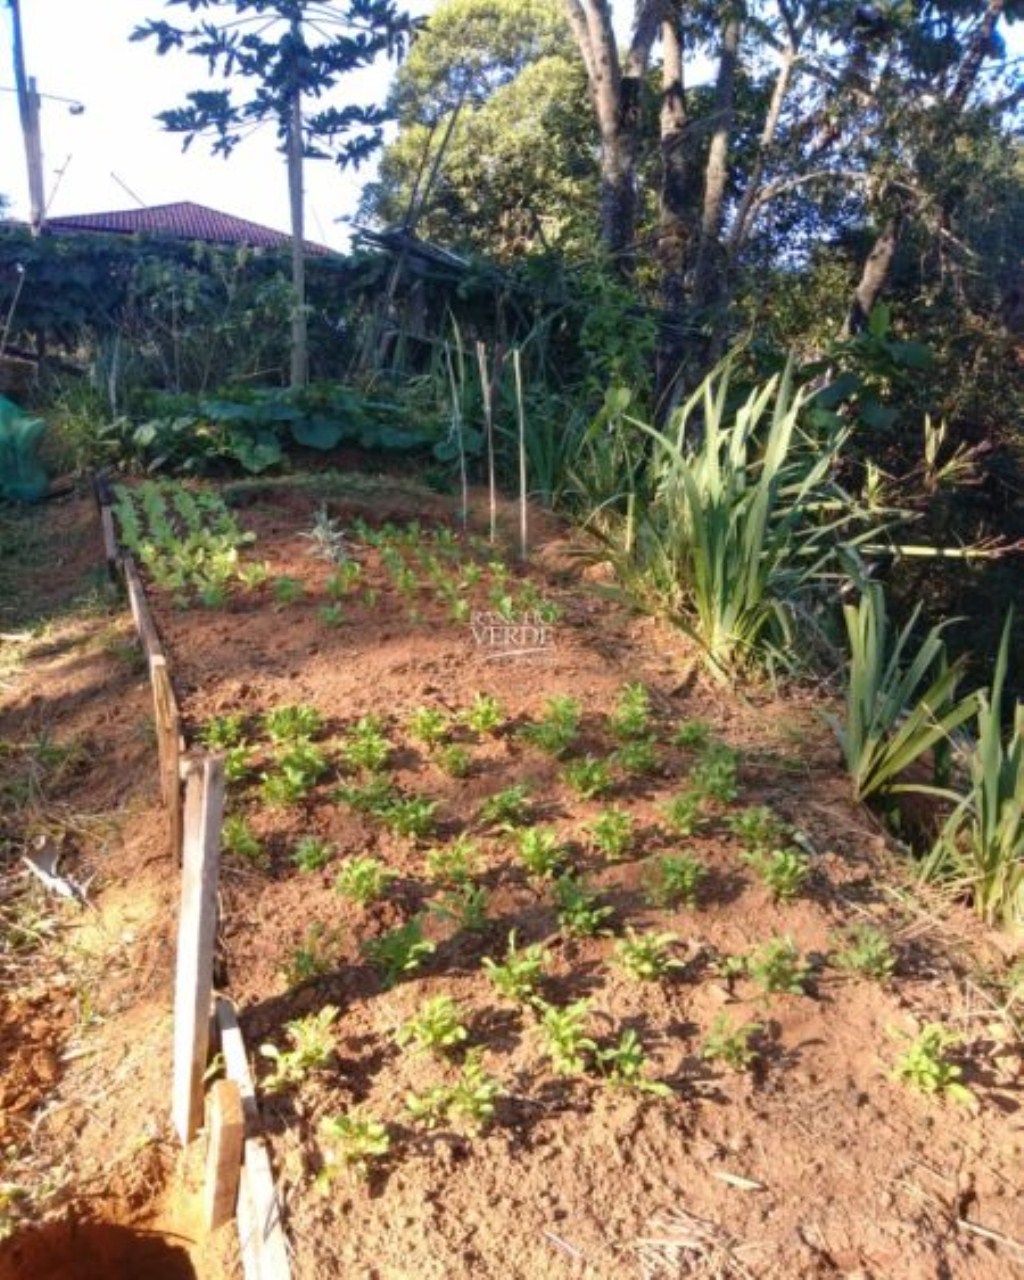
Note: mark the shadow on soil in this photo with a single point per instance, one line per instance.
(90, 1250)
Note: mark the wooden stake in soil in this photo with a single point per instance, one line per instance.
(144, 623)
(168, 741)
(225, 1128)
(204, 807)
(524, 542)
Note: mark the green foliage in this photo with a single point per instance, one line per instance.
(287, 590)
(313, 956)
(469, 1101)
(865, 950)
(300, 765)
(565, 1039)
(398, 952)
(624, 1065)
(454, 863)
(611, 833)
(366, 746)
(557, 729)
(437, 1027)
(327, 537)
(540, 851)
(714, 774)
(485, 714)
(428, 725)
(758, 826)
(455, 761)
(682, 814)
(292, 724)
(735, 1046)
(695, 734)
(311, 853)
(588, 777)
(981, 846)
(518, 976)
(363, 880)
(647, 956)
(899, 705)
(411, 816)
(784, 871)
(925, 1064)
(237, 838)
(777, 967)
(579, 911)
(674, 881)
(312, 1048)
(465, 906)
(222, 732)
(507, 808)
(639, 756)
(632, 715)
(372, 796)
(355, 1141)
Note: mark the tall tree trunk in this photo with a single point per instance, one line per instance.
(674, 223)
(710, 264)
(296, 200)
(873, 276)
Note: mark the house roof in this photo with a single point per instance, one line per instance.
(181, 221)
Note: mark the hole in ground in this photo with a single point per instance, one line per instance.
(93, 1251)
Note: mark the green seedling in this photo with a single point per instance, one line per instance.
(758, 827)
(683, 813)
(366, 746)
(237, 838)
(484, 714)
(778, 967)
(212, 595)
(355, 1141)
(558, 728)
(429, 726)
(694, 734)
(714, 775)
(363, 880)
(735, 1046)
(460, 611)
(238, 763)
(343, 580)
(470, 1100)
(411, 816)
(252, 576)
(279, 791)
(313, 957)
(465, 906)
(565, 1038)
(518, 977)
(624, 1066)
(299, 768)
(399, 952)
(589, 777)
(311, 853)
(292, 723)
(331, 615)
(312, 1048)
(455, 761)
(675, 881)
(539, 851)
(223, 732)
(455, 863)
(373, 796)
(611, 833)
(647, 956)
(637, 757)
(926, 1066)
(287, 590)
(579, 914)
(784, 871)
(632, 715)
(508, 808)
(865, 950)
(437, 1028)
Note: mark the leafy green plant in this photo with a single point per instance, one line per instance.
(331, 615)
(758, 827)
(518, 976)
(784, 871)
(864, 949)
(778, 967)
(287, 590)
(222, 732)
(735, 1046)
(925, 1064)
(683, 813)
(299, 767)
(311, 853)
(455, 760)
(465, 906)
(579, 912)
(485, 714)
(507, 808)
(355, 1141)
(564, 1035)
(714, 774)
(981, 846)
(632, 715)
(327, 537)
(292, 724)
(236, 837)
(694, 734)
(437, 1027)
(611, 833)
(363, 880)
(638, 756)
(674, 880)
(428, 725)
(557, 729)
(398, 952)
(624, 1065)
(366, 746)
(898, 705)
(312, 1048)
(647, 956)
(470, 1099)
(313, 956)
(540, 851)
(588, 777)
(454, 863)
(412, 816)
(344, 579)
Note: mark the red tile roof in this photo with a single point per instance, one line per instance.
(182, 221)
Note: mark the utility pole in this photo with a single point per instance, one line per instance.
(28, 109)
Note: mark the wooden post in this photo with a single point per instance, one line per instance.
(144, 623)
(225, 1133)
(197, 927)
(168, 740)
(263, 1242)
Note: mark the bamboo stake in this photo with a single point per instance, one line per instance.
(487, 388)
(524, 547)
